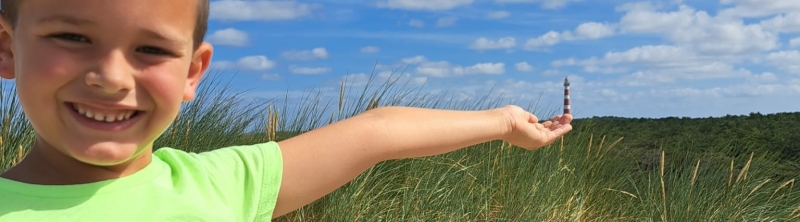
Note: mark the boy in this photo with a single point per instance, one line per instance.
(100, 80)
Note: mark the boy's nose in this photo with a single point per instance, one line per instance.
(112, 75)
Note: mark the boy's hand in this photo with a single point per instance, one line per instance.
(525, 130)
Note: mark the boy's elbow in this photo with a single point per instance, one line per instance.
(375, 134)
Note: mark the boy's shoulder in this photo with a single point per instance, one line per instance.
(227, 184)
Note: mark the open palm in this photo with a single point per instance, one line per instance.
(526, 131)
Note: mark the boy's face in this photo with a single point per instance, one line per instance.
(129, 63)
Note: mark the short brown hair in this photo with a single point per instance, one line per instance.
(8, 9)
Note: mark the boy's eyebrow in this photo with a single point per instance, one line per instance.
(79, 21)
(65, 19)
(159, 36)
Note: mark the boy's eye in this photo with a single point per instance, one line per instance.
(153, 50)
(71, 37)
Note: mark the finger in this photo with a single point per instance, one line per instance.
(561, 131)
(541, 127)
(547, 124)
(559, 119)
(532, 118)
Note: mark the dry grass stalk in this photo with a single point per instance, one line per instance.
(730, 174)
(20, 155)
(272, 123)
(743, 172)
(600, 146)
(691, 185)
(783, 185)
(759, 186)
(186, 138)
(174, 127)
(589, 147)
(663, 189)
(341, 97)
(623, 192)
(2, 153)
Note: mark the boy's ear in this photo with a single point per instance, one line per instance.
(6, 51)
(200, 61)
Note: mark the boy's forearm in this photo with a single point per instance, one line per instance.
(405, 132)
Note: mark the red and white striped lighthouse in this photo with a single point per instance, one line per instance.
(566, 96)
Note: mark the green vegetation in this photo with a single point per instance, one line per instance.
(608, 169)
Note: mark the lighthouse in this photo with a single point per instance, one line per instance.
(566, 96)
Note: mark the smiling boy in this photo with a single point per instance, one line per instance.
(100, 80)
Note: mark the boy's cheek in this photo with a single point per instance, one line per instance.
(49, 64)
(164, 84)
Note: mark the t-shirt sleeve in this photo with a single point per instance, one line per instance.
(248, 175)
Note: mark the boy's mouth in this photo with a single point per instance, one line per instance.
(108, 116)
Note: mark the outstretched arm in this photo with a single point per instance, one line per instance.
(320, 161)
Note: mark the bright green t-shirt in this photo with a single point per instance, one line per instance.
(238, 183)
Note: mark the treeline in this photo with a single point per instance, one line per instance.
(772, 136)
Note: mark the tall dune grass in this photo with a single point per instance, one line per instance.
(582, 177)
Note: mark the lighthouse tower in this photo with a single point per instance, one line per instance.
(566, 96)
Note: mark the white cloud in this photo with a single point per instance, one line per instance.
(316, 53)
(427, 5)
(256, 63)
(446, 21)
(729, 91)
(605, 69)
(548, 39)
(498, 14)
(795, 42)
(237, 10)
(757, 8)
(271, 77)
(648, 55)
(523, 67)
(585, 31)
(795, 84)
(554, 72)
(435, 69)
(785, 60)
(414, 60)
(309, 70)
(547, 4)
(363, 79)
(694, 29)
(416, 23)
(229, 36)
(766, 77)
(250, 63)
(658, 64)
(445, 69)
(370, 49)
(593, 30)
(783, 23)
(222, 65)
(651, 77)
(483, 43)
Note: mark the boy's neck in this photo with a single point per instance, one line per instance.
(44, 168)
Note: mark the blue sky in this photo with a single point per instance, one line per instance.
(624, 58)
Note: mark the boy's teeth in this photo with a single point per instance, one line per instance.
(105, 117)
